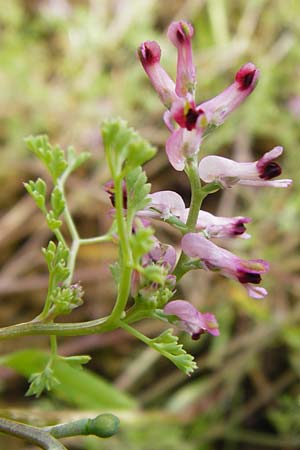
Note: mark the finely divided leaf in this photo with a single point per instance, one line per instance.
(167, 345)
(137, 190)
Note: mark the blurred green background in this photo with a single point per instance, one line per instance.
(65, 66)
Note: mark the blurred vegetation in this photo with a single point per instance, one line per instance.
(65, 66)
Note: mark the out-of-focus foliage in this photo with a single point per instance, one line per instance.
(67, 65)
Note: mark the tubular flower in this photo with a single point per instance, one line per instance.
(180, 34)
(220, 227)
(187, 121)
(247, 272)
(149, 54)
(164, 204)
(191, 320)
(219, 107)
(257, 173)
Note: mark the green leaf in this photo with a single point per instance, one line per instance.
(41, 381)
(76, 361)
(37, 189)
(141, 242)
(115, 270)
(167, 345)
(75, 160)
(137, 190)
(116, 136)
(52, 222)
(81, 388)
(57, 202)
(52, 156)
(139, 152)
(124, 147)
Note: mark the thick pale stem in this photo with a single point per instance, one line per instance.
(30, 434)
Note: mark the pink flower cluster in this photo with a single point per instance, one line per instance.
(188, 124)
(187, 121)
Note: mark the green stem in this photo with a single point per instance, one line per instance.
(105, 425)
(96, 240)
(57, 329)
(135, 333)
(47, 304)
(53, 346)
(60, 238)
(124, 255)
(30, 434)
(72, 260)
(197, 197)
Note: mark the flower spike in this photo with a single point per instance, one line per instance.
(247, 272)
(229, 172)
(191, 320)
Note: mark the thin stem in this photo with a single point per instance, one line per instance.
(53, 346)
(72, 260)
(135, 333)
(124, 255)
(47, 304)
(30, 434)
(67, 215)
(197, 196)
(96, 240)
(60, 238)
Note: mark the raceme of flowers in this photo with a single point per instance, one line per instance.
(188, 124)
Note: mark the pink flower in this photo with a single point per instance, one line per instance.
(219, 107)
(149, 54)
(180, 34)
(220, 227)
(247, 272)
(187, 121)
(257, 173)
(191, 320)
(165, 204)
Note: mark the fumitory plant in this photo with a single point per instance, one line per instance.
(147, 270)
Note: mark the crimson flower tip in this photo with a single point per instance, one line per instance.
(247, 76)
(149, 52)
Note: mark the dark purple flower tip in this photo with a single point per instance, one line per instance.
(266, 166)
(269, 171)
(239, 228)
(248, 277)
(149, 53)
(196, 336)
(245, 76)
